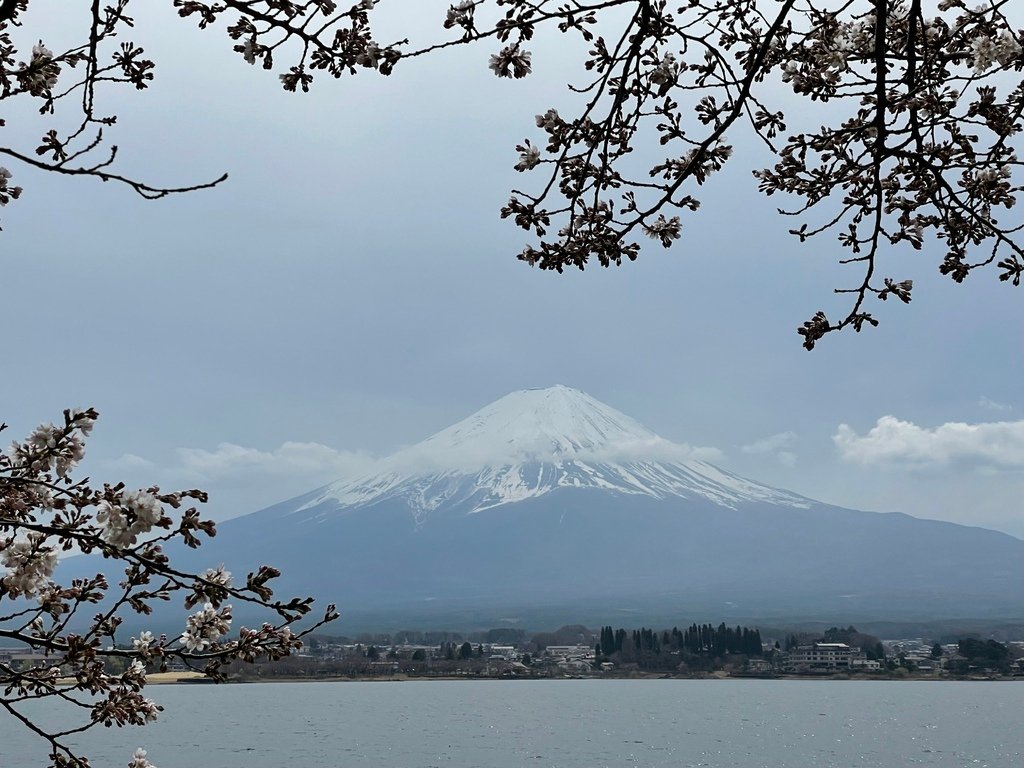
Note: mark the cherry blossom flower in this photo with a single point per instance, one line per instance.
(39, 76)
(529, 157)
(30, 563)
(511, 62)
(665, 74)
(206, 626)
(139, 760)
(133, 514)
(143, 644)
(7, 192)
(665, 230)
(460, 15)
(983, 53)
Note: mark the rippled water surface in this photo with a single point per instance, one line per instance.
(566, 724)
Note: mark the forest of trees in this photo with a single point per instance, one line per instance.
(981, 654)
(646, 646)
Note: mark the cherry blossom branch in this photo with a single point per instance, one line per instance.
(922, 93)
(44, 510)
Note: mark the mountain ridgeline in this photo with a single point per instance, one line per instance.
(548, 505)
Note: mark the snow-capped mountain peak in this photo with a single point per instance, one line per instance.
(532, 442)
(556, 423)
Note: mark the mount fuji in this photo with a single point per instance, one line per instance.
(533, 443)
(550, 502)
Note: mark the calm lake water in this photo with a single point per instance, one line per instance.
(566, 724)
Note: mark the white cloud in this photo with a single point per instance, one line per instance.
(308, 459)
(786, 458)
(129, 461)
(893, 440)
(706, 453)
(656, 448)
(774, 445)
(770, 444)
(992, 405)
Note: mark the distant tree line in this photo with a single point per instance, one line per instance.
(981, 654)
(721, 640)
(698, 640)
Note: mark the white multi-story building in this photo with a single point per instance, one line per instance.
(825, 656)
(570, 651)
(506, 652)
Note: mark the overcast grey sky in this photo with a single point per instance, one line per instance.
(351, 290)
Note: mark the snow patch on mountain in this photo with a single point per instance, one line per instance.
(532, 442)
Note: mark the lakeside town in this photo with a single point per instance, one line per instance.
(700, 651)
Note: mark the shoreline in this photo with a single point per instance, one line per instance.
(197, 678)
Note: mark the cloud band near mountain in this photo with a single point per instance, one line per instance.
(894, 440)
(290, 458)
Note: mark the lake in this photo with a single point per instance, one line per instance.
(566, 724)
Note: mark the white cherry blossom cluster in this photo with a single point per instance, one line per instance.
(790, 71)
(460, 15)
(205, 627)
(134, 514)
(853, 39)
(7, 192)
(211, 587)
(665, 74)
(511, 61)
(43, 511)
(84, 420)
(149, 710)
(370, 56)
(665, 230)
(139, 760)
(987, 51)
(993, 175)
(136, 675)
(829, 50)
(249, 50)
(992, 183)
(39, 76)
(219, 576)
(529, 156)
(832, 47)
(143, 644)
(549, 120)
(30, 563)
(123, 704)
(50, 448)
